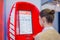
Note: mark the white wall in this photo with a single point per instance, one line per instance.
(43, 1)
(55, 24)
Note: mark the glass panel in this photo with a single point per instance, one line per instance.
(25, 22)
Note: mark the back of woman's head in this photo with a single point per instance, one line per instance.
(48, 14)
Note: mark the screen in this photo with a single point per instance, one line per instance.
(25, 21)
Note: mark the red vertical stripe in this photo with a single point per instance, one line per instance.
(1, 20)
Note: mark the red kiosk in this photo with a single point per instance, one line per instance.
(23, 22)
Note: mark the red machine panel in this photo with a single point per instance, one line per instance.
(1, 20)
(23, 22)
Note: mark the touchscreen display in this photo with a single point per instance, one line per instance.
(25, 21)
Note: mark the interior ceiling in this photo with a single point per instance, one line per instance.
(53, 2)
(56, 0)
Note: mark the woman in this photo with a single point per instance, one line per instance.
(48, 33)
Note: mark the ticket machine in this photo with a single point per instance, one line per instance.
(23, 21)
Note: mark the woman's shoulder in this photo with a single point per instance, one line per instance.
(50, 34)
